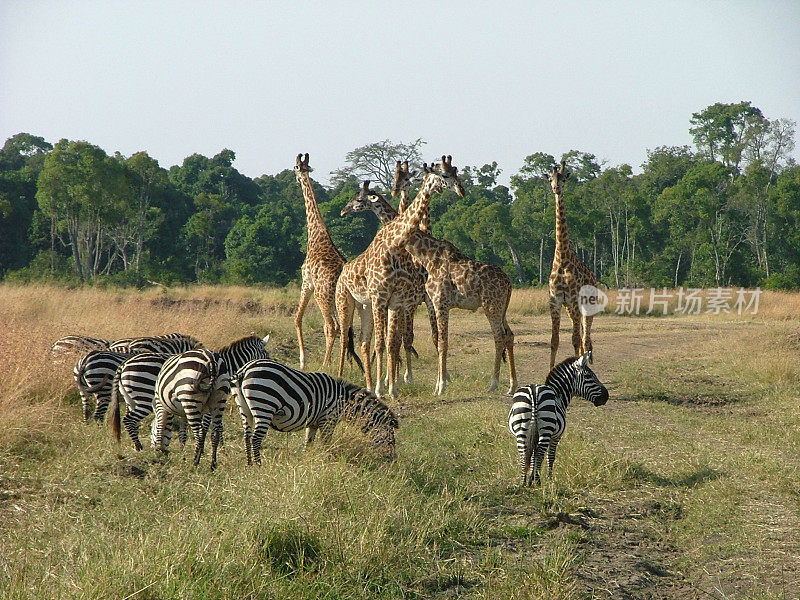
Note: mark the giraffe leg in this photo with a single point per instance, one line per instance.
(498, 333)
(380, 316)
(432, 319)
(306, 291)
(345, 307)
(586, 340)
(442, 322)
(408, 343)
(555, 321)
(326, 299)
(575, 317)
(396, 324)
(365, 312)
(512, 368)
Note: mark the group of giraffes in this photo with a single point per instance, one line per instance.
(405, 265)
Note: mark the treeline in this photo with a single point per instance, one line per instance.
(724, 213)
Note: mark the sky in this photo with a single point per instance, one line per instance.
(480, 81)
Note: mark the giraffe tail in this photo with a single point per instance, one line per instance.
(352, 355)
(414, 352)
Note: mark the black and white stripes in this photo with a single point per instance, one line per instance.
(538, 415)
(93, 374)
(136, 378)
(270, 394)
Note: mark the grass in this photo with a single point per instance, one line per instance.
(686, 484)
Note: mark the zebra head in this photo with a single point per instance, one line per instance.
(375, 418)
(586, 384)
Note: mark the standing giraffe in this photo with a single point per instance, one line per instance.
(320, 269)
(411, 287)
(568, 275)
(454, 280)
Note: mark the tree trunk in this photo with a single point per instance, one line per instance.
(517, 261)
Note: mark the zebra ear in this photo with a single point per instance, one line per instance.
(266, 340)
(584, 360)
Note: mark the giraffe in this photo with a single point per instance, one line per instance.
(454, 280)
(365, 200)
(320, 269)
(568, 275)
(387, 286)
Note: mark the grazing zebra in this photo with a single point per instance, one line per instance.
(189, 385)
(163, 345)
(123, 345)
(93, 375)
(135, 381)
(77, 344)
(538, 415)
(270, 394)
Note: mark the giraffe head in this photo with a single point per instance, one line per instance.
(402, 178)
(301, 164)
(368, 199)
(360, 202)
(446, 176)
(558, 176)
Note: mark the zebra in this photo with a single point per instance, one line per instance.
(123, 345)
(271, 394)
(163, 345)
(93, 374)
(538, 414)
(189, 385)
(135, 381)
(77, 344)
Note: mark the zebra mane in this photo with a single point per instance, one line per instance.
(561, 367)
(240, 342)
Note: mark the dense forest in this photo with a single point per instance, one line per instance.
(723, 213)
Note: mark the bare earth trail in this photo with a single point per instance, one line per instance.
(695, 517)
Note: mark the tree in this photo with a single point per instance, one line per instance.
(84, 192)
(722, 131)
(376, 162)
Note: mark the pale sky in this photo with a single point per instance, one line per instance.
(481, 81)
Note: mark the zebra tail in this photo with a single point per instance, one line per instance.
(113, 407)
(94, 388)
(352, 355)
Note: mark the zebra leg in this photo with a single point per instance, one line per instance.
(216, 433)
(131, 421)
(538, 457)
(195, 419)
(311, 433)
(551, 455)
(159, 426)
(103, 400)
(262, 423)
(247, 422)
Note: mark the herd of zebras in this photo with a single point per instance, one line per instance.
(187, 386)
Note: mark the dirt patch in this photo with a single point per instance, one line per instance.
(701, 400)
(625, 559)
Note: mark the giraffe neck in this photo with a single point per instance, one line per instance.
(411, 219)
(314, 222)
(562, 233)
(384, 210)
(425, 220)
